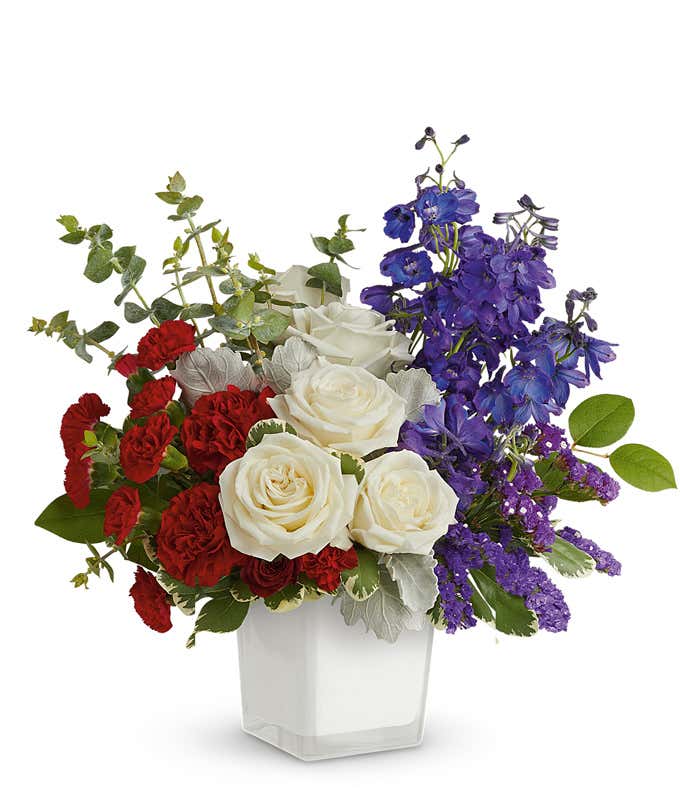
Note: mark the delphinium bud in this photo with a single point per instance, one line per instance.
(463, 139)
(458, 181)
(429, 132)
(439, 168)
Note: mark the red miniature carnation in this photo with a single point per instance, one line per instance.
(79, 417)
(127, 365)
(121, 513)
(266, 578)
(153, 397)
(151, 601)
(142, 448)
(325, 567)
(78, 479)
(192, 543)
(159, 346)
(215, 432)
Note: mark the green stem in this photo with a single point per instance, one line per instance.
(180, 292)
(217, 306)
(589, 452)
(99, 346)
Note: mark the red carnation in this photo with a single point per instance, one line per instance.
(192, 542)
(142, 448)
(151, 601)
(266, 578)
(326, 566)
(127, 364)
(159, 346)
(122, 513)
(153, 397)
(215, 432)
(79, 417)
(77, 478)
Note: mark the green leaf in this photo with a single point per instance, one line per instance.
(189, 205)
(361, 582)
(136, 553)
(601, 420)
(69, 222)
(510, 613)
(550, 473)
(99, 266)
(291, 597)
(241, 592)
(436, 615)
(328, 272)
(103, 331)
(100, 233)
(321, 244)
(80, 349)
(176, 183)
(73, 238)
(59, 321)
(165, 309)
(339, 245)
(568, 559)
(79, 526)
(134, 313)
(643, 467)
(169, 196)
(479, 606)
(196, 310)
(227, 326)
(220, 615)
(243, 311)
(268, 325)
(267, 427)
(349, 464)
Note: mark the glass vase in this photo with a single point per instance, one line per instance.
(316, 688)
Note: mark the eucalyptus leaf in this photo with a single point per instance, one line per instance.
(269, 325)
(134, 313)
(103, 331)
(196, 310)
(99, 266)
(164, 309)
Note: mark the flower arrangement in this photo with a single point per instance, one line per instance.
(399, 457)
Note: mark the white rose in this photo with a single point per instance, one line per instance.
(402, 506)
(342, 407)
(292, 287)
(352, 335)
(286, 496)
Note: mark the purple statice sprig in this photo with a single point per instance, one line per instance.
(604, 560)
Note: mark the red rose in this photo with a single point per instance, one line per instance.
(122, 513)
(326, 566)
(142, 448)
(192, 542)
(215, 432)
(79, 417)
(159, 346)
(77, 478)
(151, 601)
(127, 364)
(153, 397)
(266, 578)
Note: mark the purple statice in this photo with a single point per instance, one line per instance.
(518, 505)
(406, 267)
(604, 560)
(550, 439)
(400, 221)
(516, 576)
(462, 550)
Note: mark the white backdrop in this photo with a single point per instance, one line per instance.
(284, 115)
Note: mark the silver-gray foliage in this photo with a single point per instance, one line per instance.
(415, 579)
(205, 371)
(417, 388)
(293, 356)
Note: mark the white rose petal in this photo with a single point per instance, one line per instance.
(402, 506)
(286, 496)
(352, 335)
(342, 407)
(292, 287)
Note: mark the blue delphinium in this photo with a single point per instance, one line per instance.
(471, 301)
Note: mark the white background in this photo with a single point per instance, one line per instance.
(283, 115)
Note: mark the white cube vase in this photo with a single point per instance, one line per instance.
(316, 688)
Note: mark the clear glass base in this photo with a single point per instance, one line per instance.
(316, 688)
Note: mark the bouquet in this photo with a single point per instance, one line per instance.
(400, 457)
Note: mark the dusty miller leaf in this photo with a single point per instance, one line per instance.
(205, 371)
(383, 613)
(415, 578)
(417, 388)
(291, 357)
